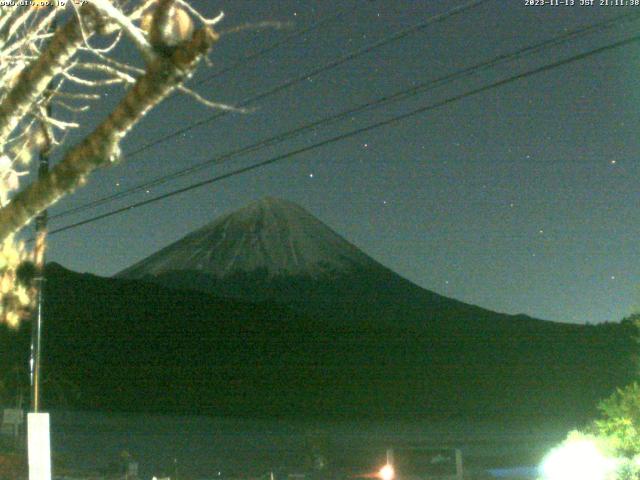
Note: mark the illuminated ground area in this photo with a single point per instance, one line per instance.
(201, 447)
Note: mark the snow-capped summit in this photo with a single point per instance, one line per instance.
(272, 236)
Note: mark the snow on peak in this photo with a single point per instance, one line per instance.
(270, 235)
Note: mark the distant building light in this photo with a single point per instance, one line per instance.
(387, 472)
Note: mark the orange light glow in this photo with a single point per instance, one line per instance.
(387, 472)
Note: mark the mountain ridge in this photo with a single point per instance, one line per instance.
(127, 345)
(273, 235)
(238, 263)
(346, 339)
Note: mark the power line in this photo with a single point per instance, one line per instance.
(358, 131)
(328, 66)
(298, 33)
(397, 96)
(247, 58)
(394, 37)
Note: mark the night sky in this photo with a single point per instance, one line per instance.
(520, 199)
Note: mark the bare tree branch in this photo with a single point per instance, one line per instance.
(34, 79)
(91, 83)
(34, 33)
(15, 25)
(101, 147)
(76, 96)
(208, 103)
(133, 32)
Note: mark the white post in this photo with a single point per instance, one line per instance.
(39, 446)
(459, 472)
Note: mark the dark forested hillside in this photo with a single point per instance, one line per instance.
(115, 344)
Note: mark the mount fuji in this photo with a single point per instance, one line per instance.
(268, 312)
(274, 250)
(272, 236)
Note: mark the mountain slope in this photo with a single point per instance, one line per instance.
(274, 250)
(270, 313)
(134, 346)
(272, 235)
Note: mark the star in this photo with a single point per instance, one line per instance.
(613, 277)
(311, 175)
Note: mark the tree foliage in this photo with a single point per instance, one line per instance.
(615, 434)
(620, 420)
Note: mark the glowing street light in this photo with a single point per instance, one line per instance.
(387, 472)
(577, 460)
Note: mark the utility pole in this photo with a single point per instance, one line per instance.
(38, 424)
(36, 321)
(39, 279)
(38, 428)
(46, 143)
